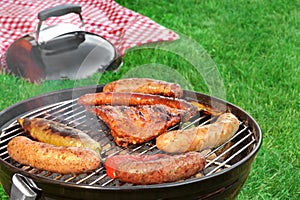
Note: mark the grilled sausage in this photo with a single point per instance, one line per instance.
(58, 134)
(199, 138)
(133, 99)
(146, 86)
(63, 160)
(153, 169)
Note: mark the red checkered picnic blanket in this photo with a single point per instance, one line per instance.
(124, 28)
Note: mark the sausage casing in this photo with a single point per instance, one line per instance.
(199, 138)
(58, 134)
(63, 160)
(134, 99)
(146, 86)
(153, 169)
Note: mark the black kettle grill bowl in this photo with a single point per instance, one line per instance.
(224, 184)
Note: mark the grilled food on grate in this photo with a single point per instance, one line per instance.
(138, 124)
(199, 138)
(58, 134)
(61, 104)
(63, 160)
(153, 169)
(146, 86)
(135, 118)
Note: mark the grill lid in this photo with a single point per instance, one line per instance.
(61, 51)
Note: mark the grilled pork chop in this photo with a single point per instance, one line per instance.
(138, 124)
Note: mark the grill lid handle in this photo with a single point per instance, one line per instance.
(23, 188)
(60, 10)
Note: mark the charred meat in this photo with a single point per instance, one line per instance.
(134, 99)
(58, 134)
(138, 124)
(64, 160)
(154, 169)
(199, 138)
(146, 86)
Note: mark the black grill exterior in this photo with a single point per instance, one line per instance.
(221, 179)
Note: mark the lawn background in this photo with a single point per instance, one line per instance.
(255, 45)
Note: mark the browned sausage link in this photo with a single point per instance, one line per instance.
(146, 86)
(63, 160)
(127, 98)
(58, 134)
(201, 137)
(162, 170)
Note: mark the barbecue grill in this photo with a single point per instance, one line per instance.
(227, 168)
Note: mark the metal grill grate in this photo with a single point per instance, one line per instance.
(69, 113)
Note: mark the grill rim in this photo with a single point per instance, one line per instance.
(66, 94)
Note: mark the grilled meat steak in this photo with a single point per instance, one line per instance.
(134, 99)
(138, 124)
(154, 169)
(58, 134)
(63, 160)
(199, 138)
(146, 86)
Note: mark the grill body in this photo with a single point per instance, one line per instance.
(224, 184)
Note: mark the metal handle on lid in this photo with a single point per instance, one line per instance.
(57, 11)
(23, 188)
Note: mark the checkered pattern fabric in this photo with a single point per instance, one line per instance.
(124, 28)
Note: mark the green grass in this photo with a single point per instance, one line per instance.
(255, 46)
